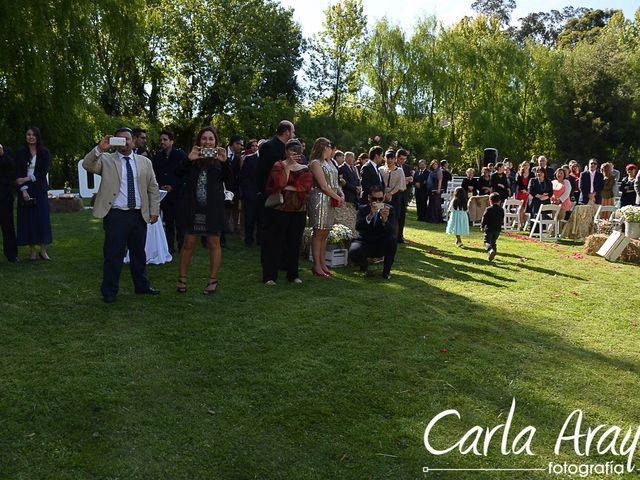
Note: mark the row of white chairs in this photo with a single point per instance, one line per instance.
(546, 225)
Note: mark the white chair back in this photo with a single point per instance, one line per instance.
(83, 180)
(546, 219)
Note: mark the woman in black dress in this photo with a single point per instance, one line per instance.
(434, 187)
(205, 172)
(540, 192)
(32, 166)
(627, 189)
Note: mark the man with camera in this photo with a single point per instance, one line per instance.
(126, 201)
(376, 225)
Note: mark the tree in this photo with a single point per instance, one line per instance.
(501, 9)
(385, 67)
(334, 54)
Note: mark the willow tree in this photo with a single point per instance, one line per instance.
(334, 54)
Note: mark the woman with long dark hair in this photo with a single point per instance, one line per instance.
(32, 166)
(205, 172)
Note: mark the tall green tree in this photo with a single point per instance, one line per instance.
(334, 54)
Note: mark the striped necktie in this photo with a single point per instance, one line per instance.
(131, 191)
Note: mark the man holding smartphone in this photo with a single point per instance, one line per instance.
(127, 200)
(376, 225)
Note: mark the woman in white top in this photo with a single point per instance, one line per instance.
(394, 181)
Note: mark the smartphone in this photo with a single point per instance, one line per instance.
(117, 142)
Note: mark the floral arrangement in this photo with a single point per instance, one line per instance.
(630, 214)
(340, 235)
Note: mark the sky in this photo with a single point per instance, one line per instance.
(309, 13)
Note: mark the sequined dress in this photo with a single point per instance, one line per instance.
(321, 213)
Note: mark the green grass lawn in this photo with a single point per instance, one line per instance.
(335, 378)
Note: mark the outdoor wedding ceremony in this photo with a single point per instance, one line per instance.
(344, 239)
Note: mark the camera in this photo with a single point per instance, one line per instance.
(207, 152)
(378, 205)
(117, 142)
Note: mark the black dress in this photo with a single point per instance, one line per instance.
(34, 223)
(628, 191)
(202, 204)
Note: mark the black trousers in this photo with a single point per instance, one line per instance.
(421, 203)
(490, 239)
(281, 241)
(402, 213)
(124, 229)
(362, 250)
(173, 232)
(250, 207)
(9, 245)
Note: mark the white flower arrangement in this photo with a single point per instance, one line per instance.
(340, 235)
(630, 214)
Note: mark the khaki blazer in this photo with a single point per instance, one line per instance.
(109, 167)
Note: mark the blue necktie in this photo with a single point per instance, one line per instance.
(375, 218)
(131, 191)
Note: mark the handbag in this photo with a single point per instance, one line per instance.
(274, 200)
(26, 203)
(228, 195)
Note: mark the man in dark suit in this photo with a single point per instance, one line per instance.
(591, 184)
(544, 164)
(140, 142)
(349, 173)
(126, 201)
(7, 187)
(369, 174)
(376, 224)
(234, 156)
(164, 166)
(420, 178)
(248, 188)
(401, 160)
(270, 152)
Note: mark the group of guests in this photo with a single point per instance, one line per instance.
(288, 189)
(536, 184)
(280, 188)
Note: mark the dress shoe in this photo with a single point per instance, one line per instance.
(492, 255)
(109, 299)
(148, 291)
(386, 276)
(13, 260)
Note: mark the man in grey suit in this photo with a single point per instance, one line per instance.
(127, 200)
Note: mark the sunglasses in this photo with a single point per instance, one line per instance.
(377, 199)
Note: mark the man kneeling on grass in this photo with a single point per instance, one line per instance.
(492, 224)
(376, 224)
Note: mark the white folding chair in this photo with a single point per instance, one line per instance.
(545, 221)
(599, 219)
(511, 208)
(83, 180)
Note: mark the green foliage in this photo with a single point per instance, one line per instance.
(334, 54)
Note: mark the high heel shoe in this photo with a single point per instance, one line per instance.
(317, 274)
(209, 290)
(181, 287)
(47, 258)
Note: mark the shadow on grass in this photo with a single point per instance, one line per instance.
(335, 378)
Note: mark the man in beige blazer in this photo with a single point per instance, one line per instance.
(127, 200)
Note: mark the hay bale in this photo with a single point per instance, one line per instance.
(631, 254)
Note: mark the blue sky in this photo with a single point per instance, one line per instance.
(309, 13)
